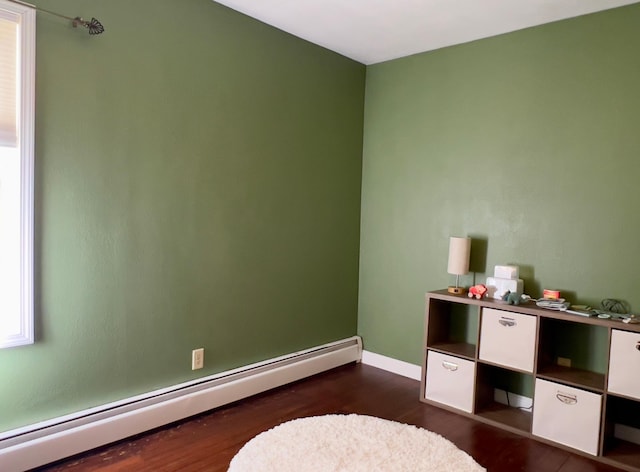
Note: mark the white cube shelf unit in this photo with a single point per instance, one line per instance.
(563, 379)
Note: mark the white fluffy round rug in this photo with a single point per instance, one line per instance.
(350, 443)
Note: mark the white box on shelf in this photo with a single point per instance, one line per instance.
(497, 287)
(506, 272)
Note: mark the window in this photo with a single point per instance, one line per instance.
(17, 97)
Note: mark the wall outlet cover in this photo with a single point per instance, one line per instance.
(197, 359)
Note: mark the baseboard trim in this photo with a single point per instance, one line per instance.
(627, 433)
(512, 399)
(43, 443)
(390, 364)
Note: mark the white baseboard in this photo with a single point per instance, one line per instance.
(46, 442)
(627, 433)
(512, 399)
(390, 364)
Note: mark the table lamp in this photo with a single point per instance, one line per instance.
(459, 250)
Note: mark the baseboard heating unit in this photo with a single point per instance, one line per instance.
(32, 446)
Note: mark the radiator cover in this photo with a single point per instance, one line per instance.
(42, 443)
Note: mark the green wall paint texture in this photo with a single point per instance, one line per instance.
(203, 181)
(198, 185)
(527, 142)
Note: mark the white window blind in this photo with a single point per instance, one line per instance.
(8, 78)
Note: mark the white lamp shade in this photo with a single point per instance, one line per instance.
(459, 250)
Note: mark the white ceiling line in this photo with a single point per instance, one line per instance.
(372, 31)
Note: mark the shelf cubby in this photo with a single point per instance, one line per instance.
(622, 431)
(492, 380)
(585, 346)
(453, 328)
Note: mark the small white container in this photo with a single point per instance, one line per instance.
(497, 287)
(506, 272)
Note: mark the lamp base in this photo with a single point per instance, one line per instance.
(456, 290)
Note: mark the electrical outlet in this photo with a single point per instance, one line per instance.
(564, 361)
(197, 359)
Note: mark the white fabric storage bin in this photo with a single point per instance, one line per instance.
(567, 415)
(624, 363)
(508, 339)
(450, 380)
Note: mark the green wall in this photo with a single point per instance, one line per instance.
(197, 185)
(527, 142)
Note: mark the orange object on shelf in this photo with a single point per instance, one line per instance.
(551, 294)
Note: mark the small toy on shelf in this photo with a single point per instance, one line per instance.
(512, 298)
(477, 291)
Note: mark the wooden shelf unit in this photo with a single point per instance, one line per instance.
(453, 328)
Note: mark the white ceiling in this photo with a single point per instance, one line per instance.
(372, 31)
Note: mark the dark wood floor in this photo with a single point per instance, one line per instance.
(209, 441)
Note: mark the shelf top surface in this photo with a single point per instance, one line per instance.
(531, 309)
